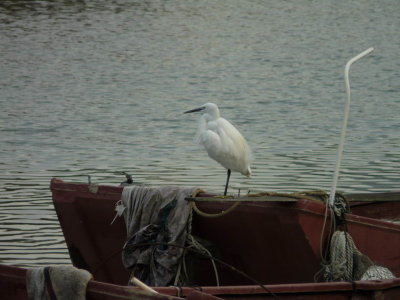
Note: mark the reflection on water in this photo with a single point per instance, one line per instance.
(99, 87)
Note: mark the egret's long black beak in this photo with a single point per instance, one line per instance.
(194, 110)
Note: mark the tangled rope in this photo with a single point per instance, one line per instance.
(208, 215)
(193, 244)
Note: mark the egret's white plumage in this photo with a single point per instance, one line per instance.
(222, 141)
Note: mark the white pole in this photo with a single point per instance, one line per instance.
(344, 126)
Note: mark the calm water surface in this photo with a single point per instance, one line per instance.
(98, 88)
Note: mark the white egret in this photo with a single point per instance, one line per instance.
(222, 141)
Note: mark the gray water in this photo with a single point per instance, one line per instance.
(98, 88)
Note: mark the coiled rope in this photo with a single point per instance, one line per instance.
(208, 215)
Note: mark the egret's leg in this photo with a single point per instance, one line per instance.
(227, 181)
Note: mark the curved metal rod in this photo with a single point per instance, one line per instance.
(345, 120)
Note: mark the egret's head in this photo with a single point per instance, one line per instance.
(210, 109)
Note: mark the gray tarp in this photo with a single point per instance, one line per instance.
(155, 215)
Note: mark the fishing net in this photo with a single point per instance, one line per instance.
(347, 263)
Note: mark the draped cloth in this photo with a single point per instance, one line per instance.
(57, 282)
(156, 219)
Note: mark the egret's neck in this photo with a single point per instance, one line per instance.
(211, 115)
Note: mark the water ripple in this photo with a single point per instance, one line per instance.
(99, 88)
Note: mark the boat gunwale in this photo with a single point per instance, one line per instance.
(104, 288)
(57, 184)
(314, 207)
(286, 288)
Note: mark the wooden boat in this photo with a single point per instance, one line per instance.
(274, 240)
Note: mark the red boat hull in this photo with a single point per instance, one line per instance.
(274, 242)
